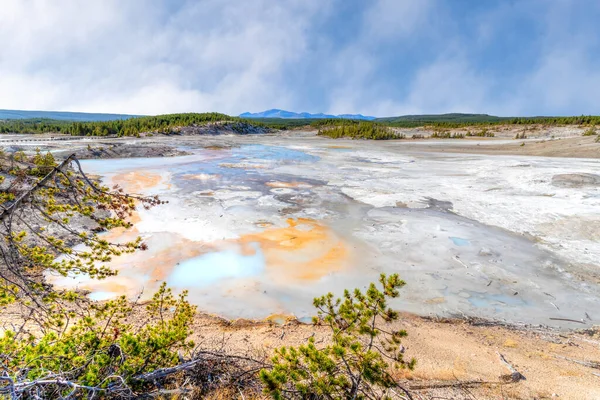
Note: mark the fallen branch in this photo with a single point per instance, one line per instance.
(16, 389)
(162, 372)
(167, 394)
(443, 385)
(589, 364)
(579, 321)
(515, 376)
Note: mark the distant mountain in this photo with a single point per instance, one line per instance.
(276, 113)
(61, 115)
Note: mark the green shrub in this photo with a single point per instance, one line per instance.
(447, 135)
(483, 133)
(357, 363)
(106, 349)
(361, 130)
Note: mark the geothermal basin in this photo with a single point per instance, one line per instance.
(260, 226)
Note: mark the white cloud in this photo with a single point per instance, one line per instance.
(355, 67)
(112, 56)
(153, 56)
(447, 85)
(392, 19)
(565, 80)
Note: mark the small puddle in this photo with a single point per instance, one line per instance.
(486, 300)
(459, 241)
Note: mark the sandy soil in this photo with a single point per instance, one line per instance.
(579, 147)
(449, 351)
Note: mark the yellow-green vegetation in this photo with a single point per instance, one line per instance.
(442, 134)
(590, 131)
(360, 130)
(102, 352)
(482, 133)
(40, 200)
(521, 135)
(46, 208)
(357, 363)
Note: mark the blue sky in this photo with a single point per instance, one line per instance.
(377, 57)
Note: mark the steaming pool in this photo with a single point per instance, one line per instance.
(254, 229)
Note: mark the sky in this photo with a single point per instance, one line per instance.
(375, 57)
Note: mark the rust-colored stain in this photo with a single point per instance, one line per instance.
(121, 235)
(304, 250)
(263, 224)
(216, 147)
(137, 181)
(294, 184)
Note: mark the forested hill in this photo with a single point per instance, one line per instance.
(61, 115)
(128, 125)
(459, 119)
(121, 127)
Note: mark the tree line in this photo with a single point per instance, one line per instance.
(127, 127)
(166, 123)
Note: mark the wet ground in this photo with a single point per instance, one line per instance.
(260, 225)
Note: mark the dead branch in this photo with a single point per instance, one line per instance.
(514, 376)
(589, 364)
(579, 321)
(201, 357)
(454, 384)
(17, 389)
(161, 373)
(167, 394)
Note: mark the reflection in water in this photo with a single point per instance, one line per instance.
(305, 250)
(211, 267)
